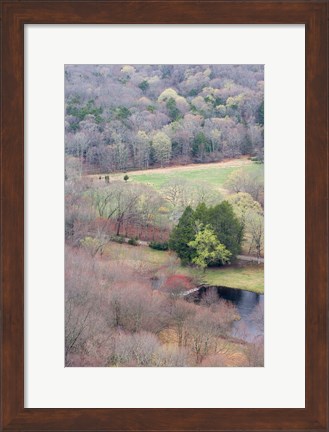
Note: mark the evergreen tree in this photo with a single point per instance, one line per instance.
(182, 234)
(226, 226)
(201, 213)
(173, 111)
(260, 114)
(221, 219)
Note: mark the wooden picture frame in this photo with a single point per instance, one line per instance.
(314, 14)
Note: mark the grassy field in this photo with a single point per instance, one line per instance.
(214, 174)
(250, 278)
(146, 260)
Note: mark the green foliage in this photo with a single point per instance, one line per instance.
(193, 92)
(200, 213)
(182, 234)
(200, 145)
(260, 114)
(173, 111)
(219, 101)
(122, 113)
(222, 222)
(144, 85)
(118, 239)
(246, 146)
(208, 249)
(133, 242)
(126, 177)
(163, 246)
(226, 226)
(166, 71)
(81, 112)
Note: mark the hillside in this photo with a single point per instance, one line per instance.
(120, 117)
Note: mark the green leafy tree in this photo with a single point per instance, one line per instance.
(221, 219)
(182, 234)
(122, 112)
(208, 249)
(200, 146)
(162, 148)
(173, 111)
(226, 225)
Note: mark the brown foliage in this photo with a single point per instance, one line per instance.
(114, 317)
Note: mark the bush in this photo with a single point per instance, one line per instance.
(133, 242)
(163, 246)
(118, 239)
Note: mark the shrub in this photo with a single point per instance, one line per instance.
(133, 242)
(118, 239)
(178, 281)
(163, 246)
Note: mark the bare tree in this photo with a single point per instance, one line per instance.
(135, 349)
(255, 353)
(171, 356)
(181, 314)
(250, 182)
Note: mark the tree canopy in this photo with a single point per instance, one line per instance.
(115, 115)
(218, 226)
(208, 249)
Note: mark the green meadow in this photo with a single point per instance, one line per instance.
(214, 176)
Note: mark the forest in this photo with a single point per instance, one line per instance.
(124, 117)
(164, 215)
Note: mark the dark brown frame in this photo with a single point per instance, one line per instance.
(312, 13)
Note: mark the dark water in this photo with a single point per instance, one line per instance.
(245, 302)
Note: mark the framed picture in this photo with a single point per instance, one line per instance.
(168, 114)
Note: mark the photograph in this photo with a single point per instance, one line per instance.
(164, 215)
(188, 141)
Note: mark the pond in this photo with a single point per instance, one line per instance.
(245, 302)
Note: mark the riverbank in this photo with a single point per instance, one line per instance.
(249, 277)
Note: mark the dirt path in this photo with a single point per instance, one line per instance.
(223, 164)
(250, 258)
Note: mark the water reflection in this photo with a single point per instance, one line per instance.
(250, 306)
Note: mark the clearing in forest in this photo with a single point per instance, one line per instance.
(215, 174)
